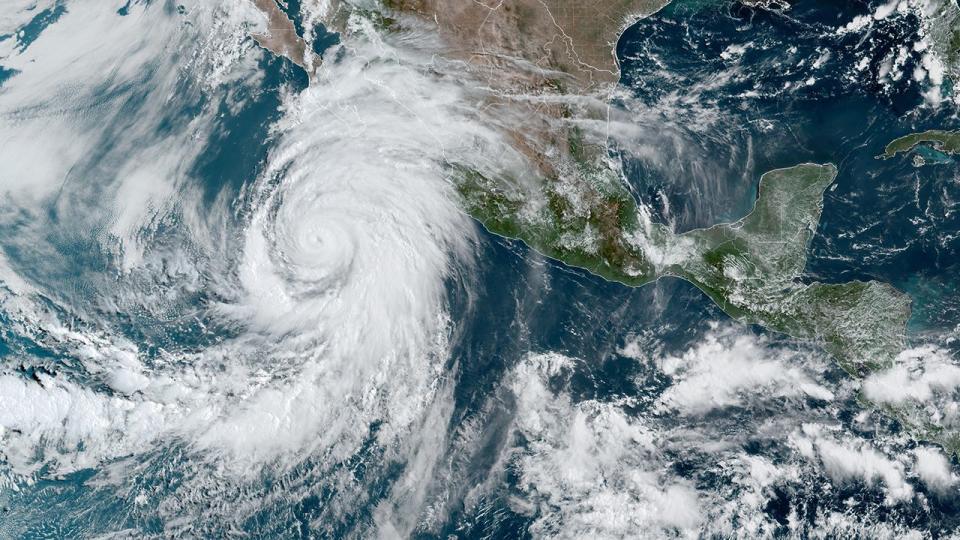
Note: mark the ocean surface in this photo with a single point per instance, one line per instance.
(199, 247)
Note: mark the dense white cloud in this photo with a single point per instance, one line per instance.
(922, 383)
(58, 417)
(917, 375)
(934, 470)
(852, 459)
(728, 368)
(330, 266)
(589, 469)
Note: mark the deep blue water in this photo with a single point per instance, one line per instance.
(884, 220)
(877, 223)
(29, 32)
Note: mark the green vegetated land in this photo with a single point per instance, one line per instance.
(751, 268)
(913, 415)
(947, 142)
(942, 23)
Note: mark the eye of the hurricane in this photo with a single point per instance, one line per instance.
(477, 269)
(316, 241)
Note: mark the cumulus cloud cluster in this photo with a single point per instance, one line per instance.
(730, 368)
(848, 460)
(917, 374)
(927, 58)
(590, 469)
(924, 379)
(329, 268)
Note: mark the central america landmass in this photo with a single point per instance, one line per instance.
(580, 212)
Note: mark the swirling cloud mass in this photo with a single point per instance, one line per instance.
(238, 298)
(314, 296)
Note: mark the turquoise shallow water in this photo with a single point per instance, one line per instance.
(882, 220)
(607, 430)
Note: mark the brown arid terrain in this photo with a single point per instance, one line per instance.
(281, 36)
(570, 42)
(540, 58)
(509, 42)
(544, 66)
(542, 74)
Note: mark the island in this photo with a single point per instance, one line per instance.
(549, 66)
(947, 142)
(578, 210)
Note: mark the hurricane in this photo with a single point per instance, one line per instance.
(310, 297)
(364, 269)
